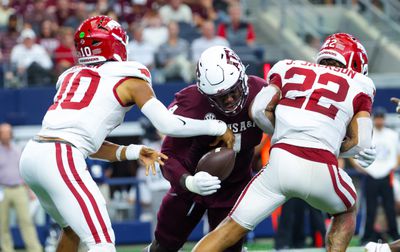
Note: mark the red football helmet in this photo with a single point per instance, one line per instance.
(346, 49)
(99, 39)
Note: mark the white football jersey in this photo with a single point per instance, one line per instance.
(318, 102)
(86, 107)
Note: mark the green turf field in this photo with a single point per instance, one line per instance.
(260, 245)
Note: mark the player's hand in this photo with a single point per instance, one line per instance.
(202, 183)
(377, 247)
(397, 102)
(366, 157)
(228, 138)
(149, 157)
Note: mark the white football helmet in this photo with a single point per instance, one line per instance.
(221, 77)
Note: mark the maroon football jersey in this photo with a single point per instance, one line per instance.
(184, 153)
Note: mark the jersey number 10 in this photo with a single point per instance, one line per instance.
(77, 90)
(309, 80)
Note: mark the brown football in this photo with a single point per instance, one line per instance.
(218, 162)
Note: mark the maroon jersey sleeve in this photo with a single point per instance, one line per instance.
(188, 102)
(362, 102)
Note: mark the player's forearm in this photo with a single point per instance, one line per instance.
(174, 172)
(178, 126)
(113, 152)
(360, 137)
(261, 110)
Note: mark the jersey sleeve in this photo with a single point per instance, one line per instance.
(175, 166)
(364, 100)
(129, 69)
(275, 74)
(185, 103)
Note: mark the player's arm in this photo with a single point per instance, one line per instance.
(263, 107)
(113, 152)
(359, 135)
(139, 92)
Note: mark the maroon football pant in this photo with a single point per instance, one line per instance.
(179, 215)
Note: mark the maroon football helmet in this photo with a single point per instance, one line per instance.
(346, 49)
(99, 39)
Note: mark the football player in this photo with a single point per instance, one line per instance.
(223, 92)
(92, 99)
(323, 112)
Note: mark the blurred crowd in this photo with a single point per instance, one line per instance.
(36, 36)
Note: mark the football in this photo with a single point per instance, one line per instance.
(218, 162)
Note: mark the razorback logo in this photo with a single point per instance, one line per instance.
(232, 58)
(145, 72)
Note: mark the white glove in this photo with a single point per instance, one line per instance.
(366, 157)
(202, 183)
(397, 102)
(377, 247)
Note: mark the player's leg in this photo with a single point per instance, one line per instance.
(334, 192)
(70, 194)
(224, 236)
(69, 241)
(177, 217)
(261, 196)
(215, 217)
(341, 230)
(30, 162)
(89, 218)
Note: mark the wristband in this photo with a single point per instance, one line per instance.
(132, 151)
(118, 152)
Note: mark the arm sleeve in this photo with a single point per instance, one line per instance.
(365, 127)
(179, 126)
(260, 103)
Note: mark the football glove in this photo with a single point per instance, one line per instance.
(366, 157)
(202, 183)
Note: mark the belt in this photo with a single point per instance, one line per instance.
(42, 139)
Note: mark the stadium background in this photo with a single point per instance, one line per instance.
(280, 29)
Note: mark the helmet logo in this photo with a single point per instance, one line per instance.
(113, 24)
(232, 58)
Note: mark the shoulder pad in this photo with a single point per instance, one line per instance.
(279, 67)
(126, 69)
(367, 86)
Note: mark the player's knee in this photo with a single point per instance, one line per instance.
(102, 247)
